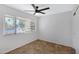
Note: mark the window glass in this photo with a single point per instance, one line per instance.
(9, 25)
(24, 25)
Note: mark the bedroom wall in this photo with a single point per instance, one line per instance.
(76, 31)
(9, 42)
(57, 28)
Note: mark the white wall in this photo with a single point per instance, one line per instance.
(9, 42)
(54, 28)
(57, 28)
(76, 31)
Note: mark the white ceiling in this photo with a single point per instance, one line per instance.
(54, 8)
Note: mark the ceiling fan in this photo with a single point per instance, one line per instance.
(76, 10)
(37, 10)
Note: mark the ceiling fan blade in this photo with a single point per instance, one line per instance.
(44, 9)
(75, 11)
(74, 14)
(34, 13)
(42, 12)
(33, 5)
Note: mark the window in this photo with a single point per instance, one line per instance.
(9, 25)
(18, 25)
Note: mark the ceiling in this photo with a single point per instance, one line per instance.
(54, 8)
